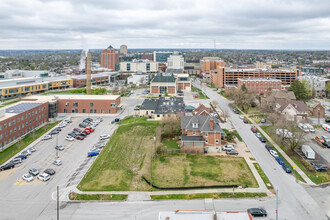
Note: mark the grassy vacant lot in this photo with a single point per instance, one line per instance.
(124, 159)
(323, 177)
(26, 141)
(171, 144)
(201, 95)
(263, 176)
(131, 119)
(208, 195)
(77, 196)
(184, 170)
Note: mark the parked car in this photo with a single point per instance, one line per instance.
(280, 160)
(232, 152)
(58, 129)
(254, 130)
(78, 137)
(86, 132)
(258, 135)
(95, 149)
(72, 134)
(59, 147)
(57, 162)
(327, 120)
(326, 144)
(50, 171)
(321, 168)
(99, 145)
(325, 138)
(262, 140)
(90, 129)
(16, 160)
(7, 166)
(22, 156)
(92, 153)
(273, 153)
(46, 137)
(54, 132)
(33, 171)
(241, 116)
(286, 168)
(26, 152)
(257, 212)
(77, 129)
(82, 134)
(245, 121)
(235, 111)
(44, 177)
(268, 147)
(263, 120)
(104, 136)
(83, 125)
(319, 139)
(27, 177)
(69, 138)
(32, 149)
(228, 147)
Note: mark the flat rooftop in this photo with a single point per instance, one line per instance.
(259, 79)
(17, 108)
(46, 98)
(204, 215)
(261, 70)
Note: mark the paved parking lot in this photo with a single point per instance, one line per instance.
(321, 151)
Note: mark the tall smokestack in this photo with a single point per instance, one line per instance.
(88, 73)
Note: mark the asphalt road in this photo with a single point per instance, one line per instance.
(296, 203)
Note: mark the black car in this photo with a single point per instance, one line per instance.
(257, 212)
(22, 156)
(82, 134)
(268, 147)
(232, 152)
(326, 144)
(327, 120)
(50, 171)
(83, 125)
(58, 129)
(54, 132)
(321, 168)
(262, 140)
(235, 111)
(7, 166)
(72, 134)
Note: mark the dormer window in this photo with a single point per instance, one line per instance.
(195, 125)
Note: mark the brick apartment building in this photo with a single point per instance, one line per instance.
(97, 79)
(19, 119)
(183, 82)
(110, 58)
(211, 63)
(259, 85)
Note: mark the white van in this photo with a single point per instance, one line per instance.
(326, 127)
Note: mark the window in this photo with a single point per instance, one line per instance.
(65, 110)
(6, 134)
(194, 132)
(113, 105)
(109, 111)
(195, 125)
(206, 134)
(14, 121)
(22, 118)
(23, 125)
(217, 141)
(15, 129)
(75, 104)
(19, 127)
(0, 136)
(91, 104)
(66, 104)
(18, 119)
(102, 111)
(9, 124)
(206, 141)
(84, 111)
(5, 125)
(0, 127)
(74, 110)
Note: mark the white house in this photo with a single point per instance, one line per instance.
(292, 110)
(139, 78)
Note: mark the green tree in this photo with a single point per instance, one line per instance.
(299, 90)
(308, 88)
(327, 88)
(243, 88)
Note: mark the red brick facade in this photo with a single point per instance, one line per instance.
(109, 59)
(260, 86)
(95, 81)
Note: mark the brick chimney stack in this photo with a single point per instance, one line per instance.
(211, 124)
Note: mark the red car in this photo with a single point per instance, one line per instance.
(77, 129)
(86, 132)
(78, 137)
(254, 130)
(245, 121)
(90, 129)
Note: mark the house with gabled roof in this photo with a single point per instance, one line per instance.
(202, 110)
(292, 110)
(200, 132)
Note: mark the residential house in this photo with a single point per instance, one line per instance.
(317, 110)
(292, 110)
(163, 107)
(202, 110)
(200, 132)
(271, 97)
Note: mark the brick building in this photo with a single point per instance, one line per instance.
(259, 85)
(110, 58)
(200, 133)
(97, 79)
(183, 82)
(19, 119)
(202, 110)
(211, 63)
(317, 110)
(163, 83)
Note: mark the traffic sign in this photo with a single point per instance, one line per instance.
(294, 166)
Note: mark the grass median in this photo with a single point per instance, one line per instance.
(97, 197)
(224, 195)
(263, 176)
(26, 141)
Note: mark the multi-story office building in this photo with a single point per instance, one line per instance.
(175, 62)
(19, 119)
(23, 73)
(321, 62)
(191, 69)
(110, 59)
(97, 79)
(161, 56)
(311, 70)
(183, 82)
(145, 56)
(163, 83)
(259, 85)
(211, 63)
(22, 86)
(123, 49)
(139, 65)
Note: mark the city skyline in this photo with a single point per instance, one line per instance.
(294, 25)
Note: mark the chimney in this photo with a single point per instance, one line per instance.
(211, 124)
(88, 73)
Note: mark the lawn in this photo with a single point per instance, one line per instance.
(96, 91)
(201, 94)
(209, 195)
(124, 159)
(233, 132)
(26, 141)
(185, 170)
(263, 176)
(131, 119)
(104, 197)
(171, 144)
(223, 94)
(316, 177)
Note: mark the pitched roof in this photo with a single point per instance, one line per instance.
(164, 78)
(185, 137)
(275, 95)
(201, 108)
(164, 105)
(300, 106)
(203, 123)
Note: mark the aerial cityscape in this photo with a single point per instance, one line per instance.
(165, 110)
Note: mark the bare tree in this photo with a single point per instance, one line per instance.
(115, 90)
(225, 114)
(214, 103)
(172, 123)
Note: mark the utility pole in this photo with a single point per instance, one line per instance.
(58, 204)
(151, 173)
(155, 145)
(276, 202)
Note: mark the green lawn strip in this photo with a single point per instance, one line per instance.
(234, 132)
(119, 163)
(171, 144)
(223, 94)
(27, 140)
(77, 196)
(263, 176)
(208, 195)
(201, 95)
(131, 119)
(279, 154)
(186, 170)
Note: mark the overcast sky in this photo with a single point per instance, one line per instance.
(233, 24)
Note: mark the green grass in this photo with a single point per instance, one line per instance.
(237, 135)
(208, 195)
(26, 141)
(223, 93)
(201, 95)
(185, 170)
(124, 159)
(171, 144)
(131, 119)
(263, 176)
(233, 132)
(77, 196)
(96, 91)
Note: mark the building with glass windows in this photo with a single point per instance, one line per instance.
(163, 84)
(161, 56)
(145, 66)
(110, 59)
(97, 79)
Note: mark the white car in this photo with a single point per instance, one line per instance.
(44, 177)
(258, 135)
(325, 138)
(241, 116)
(32, 149)
(46, 137)
(95, 149)
(69, 138)
(61, 125)
(105, 136)
(28, 177)
(228, 147)
(57, 162)
(273, 153)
